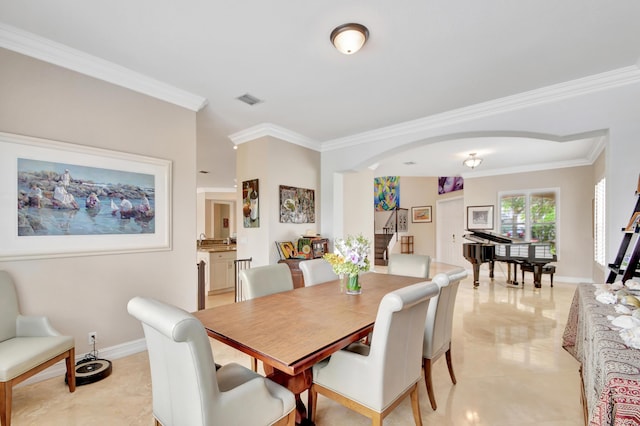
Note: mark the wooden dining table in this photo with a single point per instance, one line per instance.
(293, 330)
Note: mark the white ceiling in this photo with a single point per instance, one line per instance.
(424, 57)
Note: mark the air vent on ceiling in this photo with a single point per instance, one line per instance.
(249, 99)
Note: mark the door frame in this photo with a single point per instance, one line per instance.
(441, 221)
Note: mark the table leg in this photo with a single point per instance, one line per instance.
(296, 384)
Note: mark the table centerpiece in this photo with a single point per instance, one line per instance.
(350, 257)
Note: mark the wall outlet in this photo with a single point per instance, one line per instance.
(93, 337)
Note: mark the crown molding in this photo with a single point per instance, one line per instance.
(29, 44)
(594, 83)
(269, 129)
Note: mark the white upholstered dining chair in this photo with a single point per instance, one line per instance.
(317, 271)
(410, 265)
(28, 345)
(373, 380)
(438, 330)
(187, 389)
(263, 281)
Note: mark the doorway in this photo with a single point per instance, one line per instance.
(219, 220)
(449, 231)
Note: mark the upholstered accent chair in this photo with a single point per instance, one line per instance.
(187, 389)
(373, 380)
(263, 281)
(28, 345)
(411, 265)
(438, 330)
(317, 271)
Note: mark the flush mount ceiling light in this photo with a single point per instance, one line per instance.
(349, 38)
(472, 161)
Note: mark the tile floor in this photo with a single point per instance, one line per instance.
(510, 367)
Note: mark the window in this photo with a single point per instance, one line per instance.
(530, 215)
(599, 222)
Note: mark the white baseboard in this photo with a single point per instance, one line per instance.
(59, 369)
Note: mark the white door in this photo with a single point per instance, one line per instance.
(449, 231)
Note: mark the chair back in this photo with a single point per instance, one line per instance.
(437, 334)
(264, 280)
(183, 374)
(396, 343)
(8, 307)
(317, 271)
(410, 265)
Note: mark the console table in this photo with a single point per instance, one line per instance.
(610, 370)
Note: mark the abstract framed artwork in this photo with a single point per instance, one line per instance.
(421, 214)
(479, 217)
(61, 199)
(386, 190)
(297, 205)
(448, 184)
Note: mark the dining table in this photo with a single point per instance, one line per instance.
(293, 330)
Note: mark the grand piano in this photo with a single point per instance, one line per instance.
(489, 247)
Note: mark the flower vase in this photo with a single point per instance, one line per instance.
(353, 284)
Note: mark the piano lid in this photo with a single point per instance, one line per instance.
(488, 238)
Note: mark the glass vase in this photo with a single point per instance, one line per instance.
(353, 284)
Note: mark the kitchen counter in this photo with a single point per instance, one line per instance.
(217, 248)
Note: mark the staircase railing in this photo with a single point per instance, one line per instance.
(398, 221)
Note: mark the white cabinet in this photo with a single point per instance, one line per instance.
(221, 272)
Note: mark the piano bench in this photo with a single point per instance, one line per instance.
(546, 269)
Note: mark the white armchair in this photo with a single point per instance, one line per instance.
(28, 345)
(411, 265)
(317, 271)
(187, 389)
(438, 330)
(373, 380)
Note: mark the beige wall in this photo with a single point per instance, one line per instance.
(357, 204)
(575, 240)
(274, 162)
(90, 293)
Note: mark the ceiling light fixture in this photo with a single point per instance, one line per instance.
(472, 161)
(349, 38)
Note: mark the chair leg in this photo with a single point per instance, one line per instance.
(376, 419)
(450, 365)
(5, 403)
(254, 364)
(312, 401)
(71, 369)
(426, 365)
(415, 404)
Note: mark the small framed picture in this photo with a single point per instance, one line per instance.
(286, 249)
(421, 214)
(479, 217)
